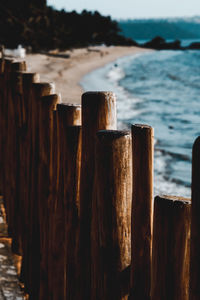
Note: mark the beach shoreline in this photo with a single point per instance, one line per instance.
(66, 69)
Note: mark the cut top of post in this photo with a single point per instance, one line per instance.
(99, 110)
(18, 66)
(173, 200)
(70, 113)
(51, 101)
(29, 78)
(112, 134)
(43, 88)
(142, 129)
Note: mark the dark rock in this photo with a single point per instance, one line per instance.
(159, 43)
(194, 46)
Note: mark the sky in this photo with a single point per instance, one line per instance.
(131, 9)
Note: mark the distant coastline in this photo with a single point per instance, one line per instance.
(163, 33)
(159, 43)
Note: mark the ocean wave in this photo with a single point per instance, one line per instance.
(158, 89)
(115, 74)
(174, 155)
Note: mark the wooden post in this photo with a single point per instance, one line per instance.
(72, 166)
(98, 113)
(2, 88)
(142, 208)
(15, 132)
(27, 80)
(2, 65)
(113, 186)
(45, 182)
(38, 90)
(195, 224)
(171, 248)
(18, 66)
(53, 205)
(67, 115)
(4, 123)
(2, 52)
(14, 89)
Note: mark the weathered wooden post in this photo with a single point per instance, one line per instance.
(14, 125)
(2, 88)
(71, 174)
(142, 208)
(27, 80)
(47, 105)
(67, 115)
(38, 90)
(2, 50)
(53, 205)
(4, 120)
(14, 89)
(15, 199)
(195, 224)
(171, 248)
(113, 189)
(98, 113)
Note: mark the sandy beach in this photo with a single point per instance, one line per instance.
(66, 69)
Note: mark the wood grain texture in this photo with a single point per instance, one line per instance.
(16, 115)
(2, 89)
(13, 117)
(11, 82)
(195, 224)
(38, 90)
(98, 113)
(171, 248)
(27, 80)
(67, 115)
(53, 208)
(47, 105)
(142, 208)
(72, 167)
(113, 189)
(4, 135)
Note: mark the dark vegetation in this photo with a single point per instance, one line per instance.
(34, 24)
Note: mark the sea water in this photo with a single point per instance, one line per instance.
(161, 89)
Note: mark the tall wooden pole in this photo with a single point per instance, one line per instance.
(16, 117)
(142, 208)
(27, 80)
(53, 206)
(195, 224)
(2, 88)
(11, 155)
(45, 181)
(171, 248)
(98, 113)
(67, 115)
(38, 90)
(113, 186)
(4, 115)
(71, 174)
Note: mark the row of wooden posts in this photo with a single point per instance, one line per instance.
(79, 199)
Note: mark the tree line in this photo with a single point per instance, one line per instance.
(45, 28)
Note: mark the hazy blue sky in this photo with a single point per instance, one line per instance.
(133, 8)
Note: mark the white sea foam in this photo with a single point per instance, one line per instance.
(128, 108)
(115, 74)
(164, 186)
